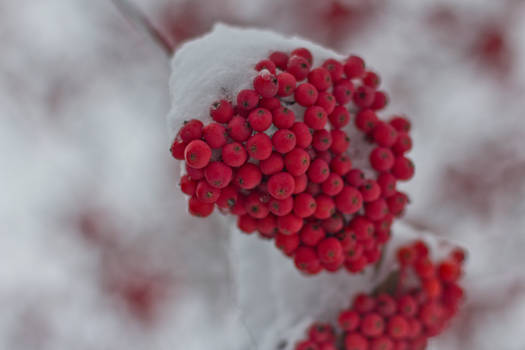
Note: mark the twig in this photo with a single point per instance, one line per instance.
(135, 16)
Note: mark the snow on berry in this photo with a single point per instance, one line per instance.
(290, 138)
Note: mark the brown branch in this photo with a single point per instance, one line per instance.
(135, 16)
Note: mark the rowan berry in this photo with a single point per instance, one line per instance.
(334, 68)
(340, 141)
(371, 79)
(267, 226)
(318, 171)
(198, 208)
(366, 120)
(246, 223)
(397, 202)
(280, 207)
(298, 67)
(343, 91)
(265, 64)
(303, 52)
(382, 159)
(400, 124)
(341, 165)
(449, 271)
(284, 140)
(306, 94)
(239, 129)
(329, 250)
(304, 205)
(333, 224)
(297, 161)
(372, 325)
(321, 332)
(177, 149)
(197, 154)
(188, 185)
(370, 191)
(260, 119)
(355, 341)
(382, 343)
(380, 100)
(387, 183)
(363, 96)
(403, 144)
(306, 260)
(196, 174)
(287, 243)
(349, 200)
(191, 130)
(325, 207)
(248, 176)
(376, 210)
(385, 305)
(218, 174)
(286, 84)
(327, 101)
(265, 83)
(349, 320)
(207, 193)
(259, 146)
(355, 177)
(315, 117)
(340, 117)
(320, 78)
(301, 182)
(281, 185)
(303, 135)
(363, 228)
(228, 197)
(221, 111)
(283, 118)
(234, 154)
(403, 168)
(384, 134)
(280, 59)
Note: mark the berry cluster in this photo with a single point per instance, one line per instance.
(277, 158)
(417, 306)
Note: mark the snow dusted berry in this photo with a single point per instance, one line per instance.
(259, 146)
(298, 66)
(286, 84)
(281, 185)
(303, 134)
(265, 83)
(248, 176)
(247, 99)
(215, 135)
(234, 154)
(265, 64)
(280, 59)
(303, 52)
(283, 140)
(315, 117)
(218, 174)
(354, 67)
(239, 129)
(306, 94)
(221, 111)
(197, 154)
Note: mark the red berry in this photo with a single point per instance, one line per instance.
(339, 117)
(349, 200)
(281, 185)
(376, 210)
(343, 91)
(306, 345)
(400, 124)
(403, 144)
(306, 94)
(187, 185)
(214, 134)
(355, 177)
(306, 260)
(218, 174)
(320, 78)
(341, 165)
(247, 99)
(332, 185)
(354, 67)
(304, 205)
(196, 174)
(207, 193)
(298, 66)
(382, 159)
(334, 68)
(424, 268)
(192, 130)
(372, 325)
(431, 315)
(246, 223)
(398, 327)
(363, 228)
(280, 59)
(272, 164)
(348, 320)
(340, 141)
(397, 203)
(329, 250)
(327, 101)
(228, 197)
(357, 264)
(380, 100)
(259, 146)
(333, 224)
(286, 83)
(371, 79)
(255, 207)
(364, 96)
(297, 161)
(177, 149)
(283, 118)
(325, 207)
(370, 191)
(432, 288)
(449, 271)
(238, 128)
(248, 176)
(265, 64)
(312, 233)
(197, 154)
(283, 140)
(387, 183)
(315, 117)
(407, 306)
(385, 305)
(287, 243)
(318, 171)
(221, 111)
(234, 154)
(322, 140)
(321, 332)
(301, 182)
(303, 52)
(265, 83)
(267, 226)
(403, 168)
(355, 341)
(289, 224)
(382, 343)
(366, 120)
(260, 119)
(198, 208)
(280, 207)
(384, 134)
(270, 103)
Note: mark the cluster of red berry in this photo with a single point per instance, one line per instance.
(423, 299)
(277, 159)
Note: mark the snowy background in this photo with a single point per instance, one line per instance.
(97, 251)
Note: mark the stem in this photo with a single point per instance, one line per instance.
(135, 16)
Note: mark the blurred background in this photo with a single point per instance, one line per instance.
(96, 250)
